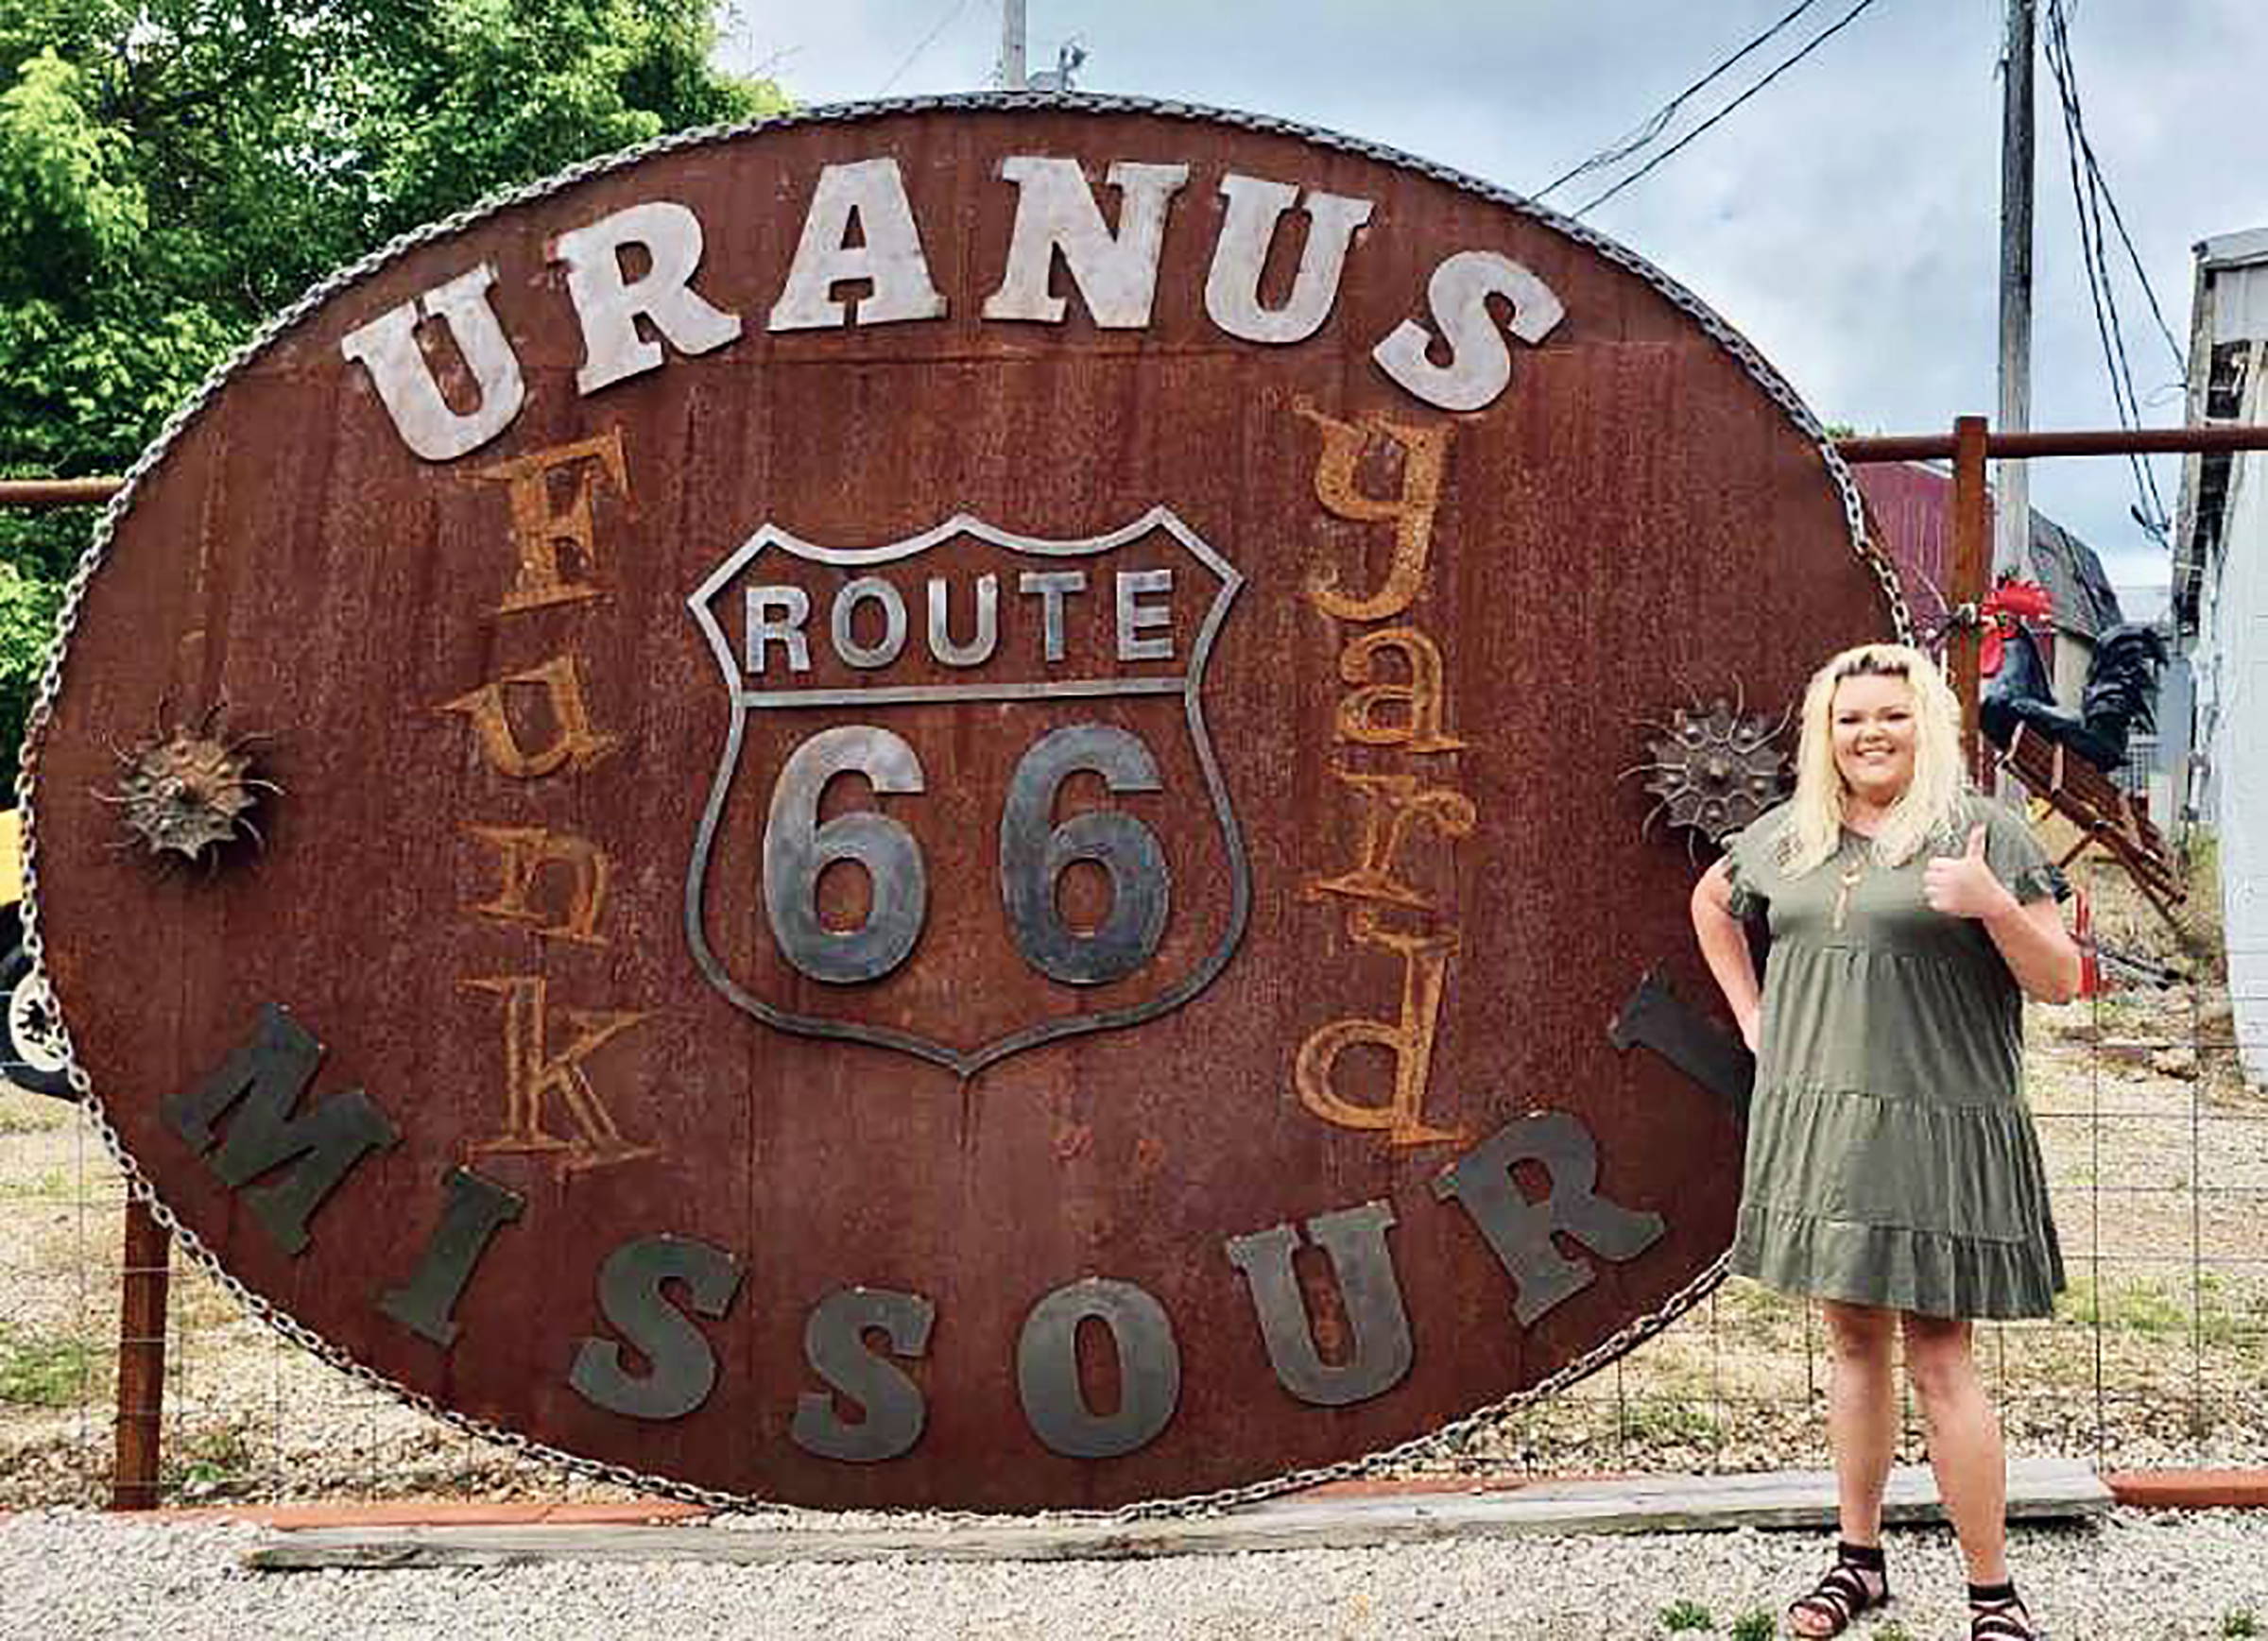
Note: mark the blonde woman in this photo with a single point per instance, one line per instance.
(1892, 1170)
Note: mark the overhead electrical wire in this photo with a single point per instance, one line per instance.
(1661, 117)
(2091, 197)
(927, 41)
(1674, 149)
(2058, 21)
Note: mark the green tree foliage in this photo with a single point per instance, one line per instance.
(173, 171)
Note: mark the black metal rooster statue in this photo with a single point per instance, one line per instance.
(2121, 692)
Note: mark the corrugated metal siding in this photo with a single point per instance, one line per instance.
(1911, 507)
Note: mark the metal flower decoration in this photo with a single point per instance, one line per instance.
(1715, 768)
(190, 789)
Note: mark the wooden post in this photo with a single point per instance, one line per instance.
(2012, 531)
(1967, 591)
(142, 1293)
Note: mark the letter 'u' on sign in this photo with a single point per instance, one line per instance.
(387, 349)
(1370, 1296)
(1255, 212)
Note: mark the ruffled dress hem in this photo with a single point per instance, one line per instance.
(1930, 1272)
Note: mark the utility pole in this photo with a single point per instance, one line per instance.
(1012, 45)
(2012, 530)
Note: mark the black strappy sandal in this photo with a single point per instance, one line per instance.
(1997, 1613)
(1842, 1594)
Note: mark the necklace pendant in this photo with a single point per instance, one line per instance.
(1845, 880)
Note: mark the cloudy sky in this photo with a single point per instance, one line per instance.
(1845, 217)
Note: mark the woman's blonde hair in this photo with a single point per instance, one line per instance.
(1815, 825)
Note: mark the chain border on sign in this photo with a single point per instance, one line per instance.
(1448, 1437)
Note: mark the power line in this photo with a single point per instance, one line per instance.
(2099, 184)
(927, 41)
(1808, 47)
(1655, 125)
(2091, 195)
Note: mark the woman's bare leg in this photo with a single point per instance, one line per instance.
(1861, 1427)
(1964, 1441)
(1862, 1413)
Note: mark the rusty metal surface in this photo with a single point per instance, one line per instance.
(1399, 925)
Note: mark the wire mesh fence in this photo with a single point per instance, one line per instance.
(2157, 1355)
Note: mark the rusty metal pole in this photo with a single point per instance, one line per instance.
(1967, 591)
(44, 493)
(142, 1296)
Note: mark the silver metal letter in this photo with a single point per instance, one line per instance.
(387, 349)
(1134, 616)
(1047, 1369)
(835, 1344)
(978, 650)
(797, 849)
(1117, 274)
(316, 1149)
(475, 1210)
(630, 1297)
(1240, 255)
(1034, 853)
(868, 588)
(1052, 585)
(1520, 1231)
(793, 608)
(1356, 1241)
(890, 255)
(610, 308)
(1480, 364)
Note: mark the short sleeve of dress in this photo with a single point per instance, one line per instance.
(2017, 859)
(1748, 898)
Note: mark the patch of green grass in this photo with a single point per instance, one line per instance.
(2239, 1621)
(49, 1183)
(1891, 1630)
(2152, 1308)
(211, 1461)
(1681, 1615)
(47, 1370)
(1754, 1625)
(1671, 1421)
(2226, 1313)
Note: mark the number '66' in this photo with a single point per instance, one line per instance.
(1033, 854)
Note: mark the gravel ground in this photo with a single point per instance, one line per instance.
(2135, 1577)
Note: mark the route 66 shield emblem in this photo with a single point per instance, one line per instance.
(966, 669)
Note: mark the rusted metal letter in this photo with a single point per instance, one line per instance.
(1421, 699)
(574, 744)
(1371, 1297)
(1409, 1041)
(540, 530)
(1424, 453)
(1520, 1231)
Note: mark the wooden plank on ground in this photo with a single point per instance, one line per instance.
(2038, 1489)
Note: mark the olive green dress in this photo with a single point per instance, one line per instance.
(1891, 1158)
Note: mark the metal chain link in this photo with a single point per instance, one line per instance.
(1448, 1437)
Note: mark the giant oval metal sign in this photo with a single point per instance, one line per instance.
(921, 806)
